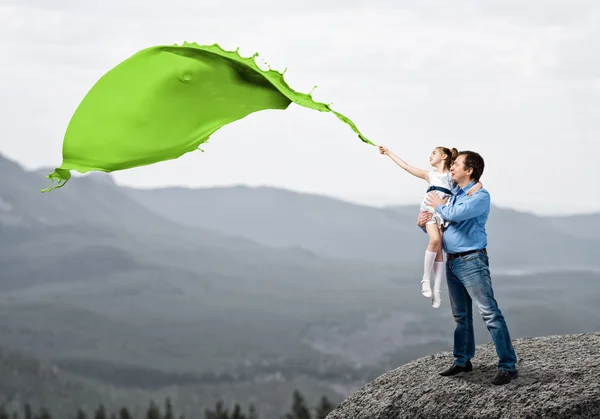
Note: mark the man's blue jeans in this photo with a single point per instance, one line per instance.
(469, 281)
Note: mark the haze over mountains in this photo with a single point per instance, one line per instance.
(339, 229)
(250, 292)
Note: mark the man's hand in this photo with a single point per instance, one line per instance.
(424, 216)
(433, 200)
(383, 149)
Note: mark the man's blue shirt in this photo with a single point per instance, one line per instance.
(468, 216)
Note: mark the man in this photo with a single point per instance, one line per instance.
(467, 268)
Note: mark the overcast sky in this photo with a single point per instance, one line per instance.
(517, 81)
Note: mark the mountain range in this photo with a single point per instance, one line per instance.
(339, 229)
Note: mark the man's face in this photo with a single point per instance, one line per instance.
(459, 174)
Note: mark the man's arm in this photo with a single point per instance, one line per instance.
(473, 207)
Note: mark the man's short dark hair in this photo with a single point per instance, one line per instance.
(473, 161)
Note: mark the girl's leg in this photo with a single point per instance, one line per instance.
(439, 273)
(440, 250)
(430, 255)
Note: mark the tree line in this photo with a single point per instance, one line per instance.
(299, 410)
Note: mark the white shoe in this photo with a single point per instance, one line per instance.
(426, 288)
(436, 301)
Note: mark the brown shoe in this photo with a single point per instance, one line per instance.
(455, 369)
(505, 377)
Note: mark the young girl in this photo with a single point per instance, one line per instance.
(440, 181)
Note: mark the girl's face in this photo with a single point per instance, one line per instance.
(436, 157)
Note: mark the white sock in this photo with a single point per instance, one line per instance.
(429, 260)
(439, 273)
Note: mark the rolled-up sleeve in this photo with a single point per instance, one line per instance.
(472, 207)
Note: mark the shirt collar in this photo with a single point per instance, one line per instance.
(458, 190)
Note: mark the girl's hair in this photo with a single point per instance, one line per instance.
(451, 155)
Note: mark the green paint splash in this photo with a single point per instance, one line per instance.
(165, 101)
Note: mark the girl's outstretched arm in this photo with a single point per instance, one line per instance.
(420, 173)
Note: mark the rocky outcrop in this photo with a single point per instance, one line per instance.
(559, 378)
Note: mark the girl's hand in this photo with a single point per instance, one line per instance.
(383, 149)
(475, 188)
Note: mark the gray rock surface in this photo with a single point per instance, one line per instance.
(559, 377)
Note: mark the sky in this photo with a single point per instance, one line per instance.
(518, 82)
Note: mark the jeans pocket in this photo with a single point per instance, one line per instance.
(471, 269)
